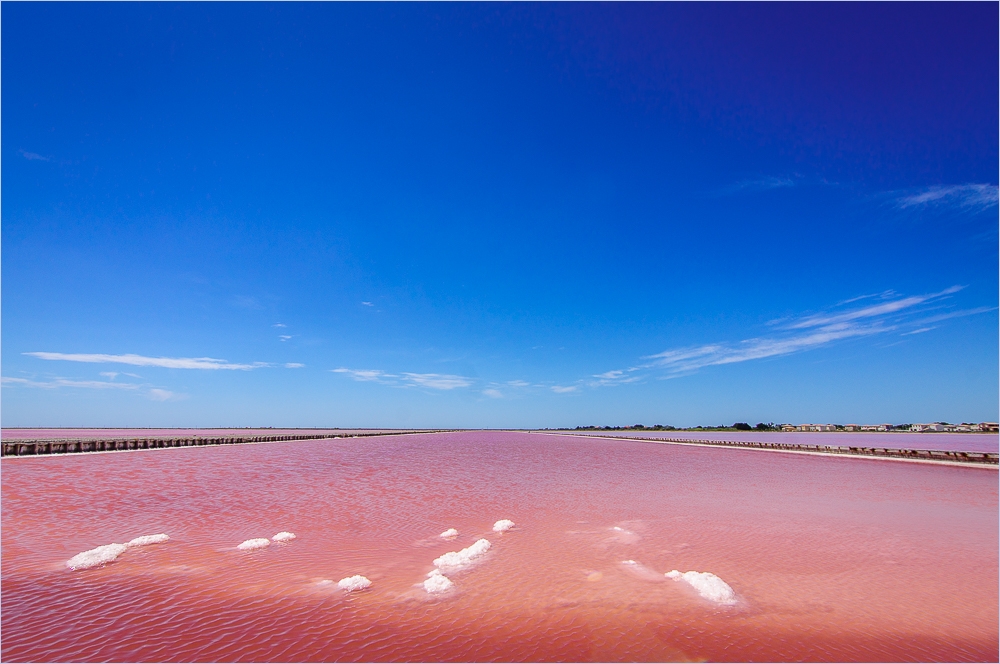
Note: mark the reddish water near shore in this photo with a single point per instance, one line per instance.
(831, 559)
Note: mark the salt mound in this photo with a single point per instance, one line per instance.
(502, 525)
(707, 584)
(283, 536)
(251, 544)
(352, 583)
(148, 539)
(459, 559)
(448, 534)
(437, 582)
(96, 557)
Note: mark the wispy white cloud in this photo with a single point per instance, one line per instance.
(66, 382)
(873, 311)
(954, 314)
(279, 325)
(920, 331)
(974, 196)
(758, 184)
(433, 381)
(143, 361)
(564, 389)
(294, 365)
(365, 375)
(884, 295)
(368, 304)
(284, 337)
(616, 377)
(493, 393)
(156, 394)
(802, 333)
(688, 360)
(518, 383)
(437, 381)
(32, 156)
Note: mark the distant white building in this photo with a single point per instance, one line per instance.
(933, 426)
(852, 427)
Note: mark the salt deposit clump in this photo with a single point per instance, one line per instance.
(251, 544)
(459, 559)
(437, 582)
(451, 533)
(502, 525)
(96, 557)
(707, 584)
(283, 536)
(352, 583)
(148, 539)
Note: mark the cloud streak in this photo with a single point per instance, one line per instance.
(66, 382)
(33, 156)
(873, 311)
(207, 363)
(799, 334)
(969, 196)
(760, 184)
(433, 381)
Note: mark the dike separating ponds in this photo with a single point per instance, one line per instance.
(10, 448)
(948, 456)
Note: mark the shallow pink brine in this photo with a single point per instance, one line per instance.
(807, 557)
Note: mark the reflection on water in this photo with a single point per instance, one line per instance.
(827, 558)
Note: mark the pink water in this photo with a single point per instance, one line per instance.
(956, 442)
(831, 559)
(80, 434)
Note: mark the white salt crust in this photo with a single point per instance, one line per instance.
(148, 539)
(251, 544)
(451, 533)
(96, 557)
(502, 525)
(283, 536)
(707, 584)
(437, 582)
(352, 583)
(463, 558)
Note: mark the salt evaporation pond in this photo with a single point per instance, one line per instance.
(828, 558)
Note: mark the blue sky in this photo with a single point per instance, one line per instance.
(498, 215)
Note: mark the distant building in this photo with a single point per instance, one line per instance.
(933, 426)
(788, 427)
(852, 427)
(816, 427)
(991, 427)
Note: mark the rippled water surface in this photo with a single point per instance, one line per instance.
(830, 558)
